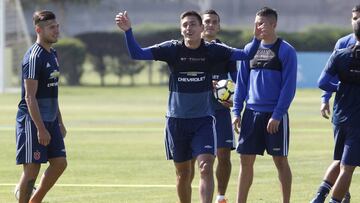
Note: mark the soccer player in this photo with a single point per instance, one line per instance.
(345, 65)
(190, 126)
(267, 84)
(39, 127)
(224, 130)
(333, 170)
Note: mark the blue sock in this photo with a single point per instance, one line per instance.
(333, 200)
(324, 188)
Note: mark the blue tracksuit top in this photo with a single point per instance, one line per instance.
(267, 89)
(343, 65)
(343, 42)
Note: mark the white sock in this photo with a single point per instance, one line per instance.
(220, 197)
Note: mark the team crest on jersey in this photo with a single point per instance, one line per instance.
(54, 74)
(37, 155)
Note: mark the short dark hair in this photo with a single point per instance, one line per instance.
(191, 13)
(267, 12)
(356, 8)
(42, 16)
(212, 12)
(356, 28)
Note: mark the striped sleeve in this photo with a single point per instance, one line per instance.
(32, 66)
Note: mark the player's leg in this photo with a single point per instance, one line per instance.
(246, 175)
(204, 145)
(193, 162)
(277, 145)
(178, 149)
(330, 176)
(206, 183)
(225, 143)
(29, 153)
(342, 183)
(183, 180)
(333, 170)
(27, 181)
(349, 161)
(223, 171)
(48, 179)
(285, 176)
(251, 142)
(57, 162)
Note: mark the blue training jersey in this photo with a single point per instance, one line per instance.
(223, 71)
(343, 65)
(41, 65)
(267, 89)
(190, 82)
(343, 42)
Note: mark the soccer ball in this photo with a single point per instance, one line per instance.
(224, 90)
(17, 192)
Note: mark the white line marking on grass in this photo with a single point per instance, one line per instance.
(103, 129)
(146, 129)
(105, 185)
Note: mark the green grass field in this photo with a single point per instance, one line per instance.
(116, 152)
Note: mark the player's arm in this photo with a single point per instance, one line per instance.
(288, 87)
(326, 95)
(61, 124)
(327, 79)
(240, 93)
(136, 52)
(246, 54)
(249, 51)
(325, 98)
(325, 106)
(31, 87)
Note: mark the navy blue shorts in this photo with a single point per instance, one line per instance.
(224, 129)
(347, 145)
(28, 149)
(254, 138)
(185, 139)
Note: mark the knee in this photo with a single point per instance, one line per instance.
(60, 164)
(281, 163)
(223, 157)
(205, 168)
(184, 174)
(246, 163)
(63, 165)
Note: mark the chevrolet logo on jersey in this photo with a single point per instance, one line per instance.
(192, 77)
(54, 74)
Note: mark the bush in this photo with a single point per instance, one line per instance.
(71, 55)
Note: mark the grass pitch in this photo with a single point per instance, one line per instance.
(116, 152)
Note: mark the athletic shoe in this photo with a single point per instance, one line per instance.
(222, 201)
(318, 199)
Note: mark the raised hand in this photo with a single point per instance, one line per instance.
(123, 21)
(258, 30)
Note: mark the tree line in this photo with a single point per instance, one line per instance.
(108, 54)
